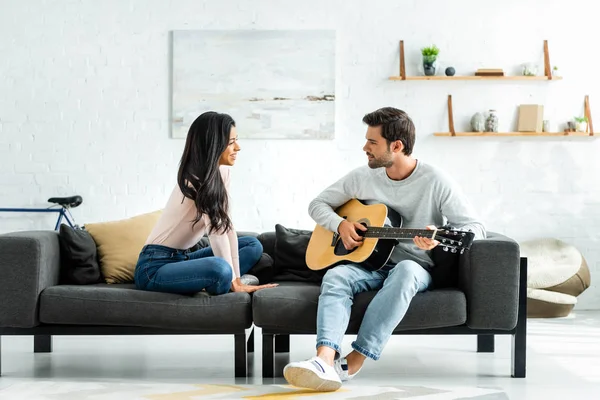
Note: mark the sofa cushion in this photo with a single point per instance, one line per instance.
(292, 308)
(122, 304)
(78, 257)
(119, 244)
(290, 256)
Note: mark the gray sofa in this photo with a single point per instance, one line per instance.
(490, 300)
(33, 303)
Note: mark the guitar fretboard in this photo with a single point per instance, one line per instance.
(396, 233)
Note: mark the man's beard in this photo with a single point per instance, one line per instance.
(385, 161)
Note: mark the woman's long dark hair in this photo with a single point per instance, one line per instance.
(199, 178)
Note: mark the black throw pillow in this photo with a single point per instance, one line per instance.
(78, 257)
(445, 268)
(263, 269)
(289, 256)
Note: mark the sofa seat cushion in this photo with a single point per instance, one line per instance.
(122, 304)
(291, 307)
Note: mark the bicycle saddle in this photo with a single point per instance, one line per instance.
(68, 202)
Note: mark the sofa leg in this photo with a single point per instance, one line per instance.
(485, 343)
(42, 343)
(282, 343)
(519, 339)
(268, 355)
(241, 356)
(250, 342)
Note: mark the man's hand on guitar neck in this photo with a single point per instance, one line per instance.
(349, 235)
(426, 243)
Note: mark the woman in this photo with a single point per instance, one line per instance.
(200, 204)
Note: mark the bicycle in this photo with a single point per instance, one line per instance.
(64, 203)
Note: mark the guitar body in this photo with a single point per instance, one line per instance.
(326, 249)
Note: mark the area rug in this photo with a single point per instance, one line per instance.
(47, 390)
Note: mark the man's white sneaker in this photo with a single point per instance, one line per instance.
(341, 367)
(313, 374)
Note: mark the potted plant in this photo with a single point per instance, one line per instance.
(430, 59)
(581, 124)
(555, 71)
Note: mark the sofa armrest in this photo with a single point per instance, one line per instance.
(29, 263)
(489, 276)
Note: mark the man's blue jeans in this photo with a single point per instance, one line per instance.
(397, 286)
(164, 269)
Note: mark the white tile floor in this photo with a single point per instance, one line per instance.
(563, 360)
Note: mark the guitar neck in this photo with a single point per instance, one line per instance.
(396, 233)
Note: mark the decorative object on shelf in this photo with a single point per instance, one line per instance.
(570, 126)
(531, 118)
(450, 71)
(546, 126)
(489, 72)
(530, 69)
(430, 55)
(581, 124)
(555, 72)
(478, 122)
(491, 122)
(588, 115)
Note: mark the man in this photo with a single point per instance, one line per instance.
(424, 197)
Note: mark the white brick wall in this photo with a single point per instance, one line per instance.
(85, 97)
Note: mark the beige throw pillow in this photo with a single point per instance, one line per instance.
(119, 244)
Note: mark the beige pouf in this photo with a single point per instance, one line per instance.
(556, 274)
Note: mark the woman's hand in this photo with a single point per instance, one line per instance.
(237, 286)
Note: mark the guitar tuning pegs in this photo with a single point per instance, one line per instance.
(453, 250)
(460, 243)
(445, 248)
(462, 251)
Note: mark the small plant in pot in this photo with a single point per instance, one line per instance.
(430, 55)
(581, 124)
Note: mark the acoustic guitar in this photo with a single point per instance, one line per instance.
(384, 230)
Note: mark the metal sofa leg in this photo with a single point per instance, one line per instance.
(250, 341)
(42, 343)
(268, 355)
(282, 343)
(519, 339)
(485, 343)
(241, 356)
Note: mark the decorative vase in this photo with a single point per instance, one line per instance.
(429, 65)
(581, 126)
(546, 126)
(491, 123)
(450, 71)
(529, 69)
(478, 122)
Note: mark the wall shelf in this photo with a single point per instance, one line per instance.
(588, 133)
(584, 134)
(474, 78)
(546, 77)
